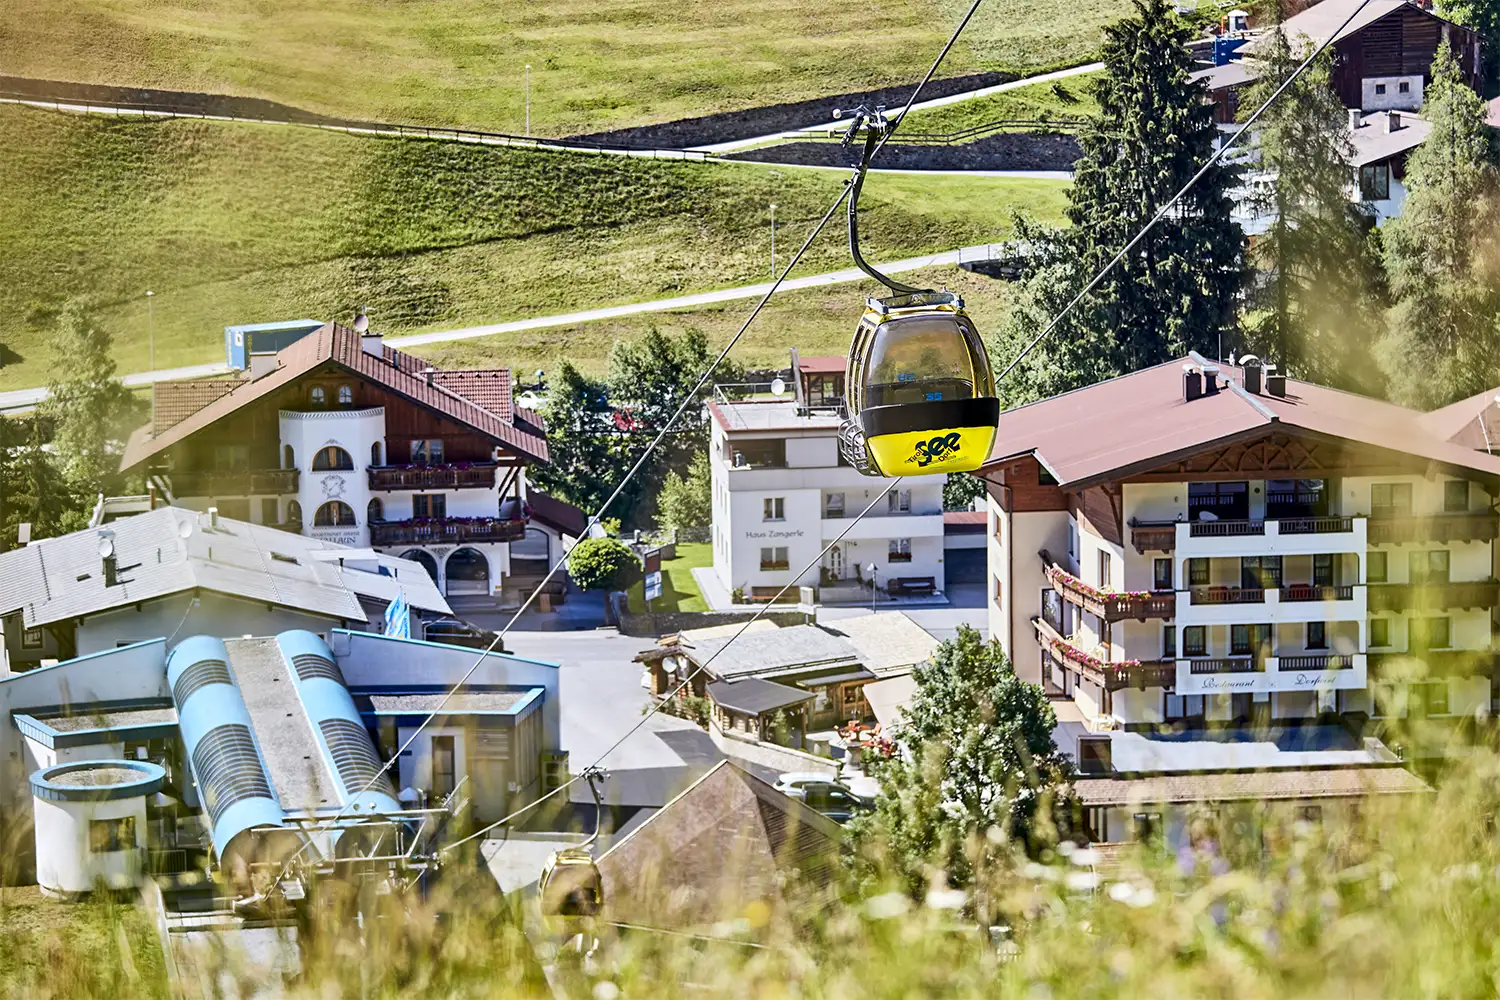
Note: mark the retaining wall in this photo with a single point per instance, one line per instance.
(672, 622)
(1007, 151)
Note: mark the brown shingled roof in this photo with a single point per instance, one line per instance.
(1220, 786)
(1140, 421)
(401, 373)
(1472, 423)
(174, 402)
(560, 514)
(489, 389)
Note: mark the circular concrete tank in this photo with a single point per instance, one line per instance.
(90, 819)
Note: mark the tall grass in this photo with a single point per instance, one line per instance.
(1397, 898)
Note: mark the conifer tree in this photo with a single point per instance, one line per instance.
(89, 409)
(1177, 289)
(1442, 254)
(1314, 308)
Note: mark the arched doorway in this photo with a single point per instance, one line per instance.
(425, 558)
(531, 556)
(468, 572)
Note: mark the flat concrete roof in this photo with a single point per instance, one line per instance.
(113, 719)
(463, 703)
(776, 415)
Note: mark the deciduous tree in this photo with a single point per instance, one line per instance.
(602, 564)
(687, 502)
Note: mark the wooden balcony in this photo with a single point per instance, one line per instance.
(433, 477)
(1112, 606)
(1435, 596)
(1300, 592)
(1153, 536)
(232, 482)
(1112, 674)
(450, 530)
(1228, 595)
(1471, 526)
(1227, 665)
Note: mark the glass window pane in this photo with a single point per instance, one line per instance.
(922, 358)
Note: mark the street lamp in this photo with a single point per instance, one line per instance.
(871, 568)
(773, 241)
(528, 100)
(150, 332)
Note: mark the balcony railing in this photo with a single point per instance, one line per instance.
(1439, 662)
(232, 482)
(1475, 526)
(1296, 592)
(1228, 595)
(1114, 675)
(1229, 665)
(1299, 525)
(1225, 529)
(1111, 605)
(434, 530)
(433, 477)
(1323, 661)
(844, 513)
(1158, 536)
(1435, 596)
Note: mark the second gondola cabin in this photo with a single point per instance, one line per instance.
(920, 388)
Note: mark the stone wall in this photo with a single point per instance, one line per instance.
(670, 623)
(769, 755)
(1007, 151)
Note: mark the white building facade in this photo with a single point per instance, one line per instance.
(781, 495)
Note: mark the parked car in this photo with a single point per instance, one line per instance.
(837, 803)
(456, 632)
(815, 787)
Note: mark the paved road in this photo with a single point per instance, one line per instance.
(19, 399)
(966, 607)
(937, 102)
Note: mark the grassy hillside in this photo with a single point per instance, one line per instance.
(596, 64)
(236, 223)
(814, 320)
(1069, 98)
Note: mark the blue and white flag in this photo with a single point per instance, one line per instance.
(398, 617)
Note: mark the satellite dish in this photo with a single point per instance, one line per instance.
(184, 530)
(362, 321)
(106, 544)
(668, 667)
(778, 387)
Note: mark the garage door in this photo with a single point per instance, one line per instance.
(965, 565)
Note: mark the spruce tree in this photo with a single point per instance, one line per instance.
(1442, 340)
(1177, 289)
(1313, 309)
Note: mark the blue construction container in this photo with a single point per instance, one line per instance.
(259, 338)
(1225, 49)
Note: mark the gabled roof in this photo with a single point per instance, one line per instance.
(566, 518)
(888, 642)
(1373, 143)
(401, 373)
(58, 579)
(1141, 421)
(728, 841)
(174, 402)
(775, 652)
(1470, 423)
(1318, 23)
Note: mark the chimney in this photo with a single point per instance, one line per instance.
(1192, 383)
(1392, 121)
(1355, 118)
(107, 555)
(213, 519)
(1252, 374)
(428, 373)
(262, 363)
(1275, 382)
(372, 344)
(1210, 380)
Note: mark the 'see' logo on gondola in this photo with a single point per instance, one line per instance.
(935, 450)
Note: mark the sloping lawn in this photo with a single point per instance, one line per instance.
(679, 591)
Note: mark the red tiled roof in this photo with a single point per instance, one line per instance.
(174, 402)
(1141, 420)
(489, 389)
(400, 373)
(823, 364)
